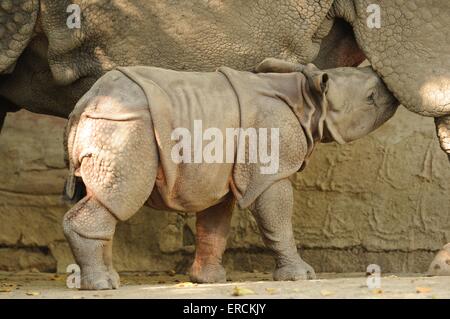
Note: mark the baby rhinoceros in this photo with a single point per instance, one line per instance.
(191, 142)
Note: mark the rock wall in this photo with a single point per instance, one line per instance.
(383, 199)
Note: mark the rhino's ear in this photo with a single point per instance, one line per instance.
(318, 80)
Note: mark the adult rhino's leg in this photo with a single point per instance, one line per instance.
(440, 266)
(213, 225)
(273, 213)
(443, 132)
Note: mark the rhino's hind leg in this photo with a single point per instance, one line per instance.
(89, 227)
(273, 213)
(118, 164)
(213, 225)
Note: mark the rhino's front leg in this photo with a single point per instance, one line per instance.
(89, 227)
(213, 225)
(273, 213)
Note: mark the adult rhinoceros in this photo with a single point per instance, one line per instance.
(48, 64)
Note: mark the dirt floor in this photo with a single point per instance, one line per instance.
(37, 285)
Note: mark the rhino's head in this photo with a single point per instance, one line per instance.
(358, 102)
(17, 21)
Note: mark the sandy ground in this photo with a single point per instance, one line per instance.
(36, 285)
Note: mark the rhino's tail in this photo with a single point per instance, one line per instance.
(74, 189)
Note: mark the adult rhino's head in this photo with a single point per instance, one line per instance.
(410, 50)
(17, 21)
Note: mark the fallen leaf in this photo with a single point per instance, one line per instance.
(238, 291)
(5, 289)
(423, 290)
(185, 284)
(32, 293)
(271, 291)
(326, 293)
(377, 291)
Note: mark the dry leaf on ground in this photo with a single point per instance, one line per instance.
(423, 290)
(7, 287)
(32, 293)
(377, 291)
(326, 293)
(271, 291)
(185, 284)
(238, 291)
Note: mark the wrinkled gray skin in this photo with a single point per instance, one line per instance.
(117, 157)
(46, 67)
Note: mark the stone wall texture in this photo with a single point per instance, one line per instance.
(383, 199)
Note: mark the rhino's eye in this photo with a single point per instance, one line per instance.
(371, 98)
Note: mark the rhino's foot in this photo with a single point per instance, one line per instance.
(440, 266)
(114, 278)
(89, 228)
(294, 271)
(208, 274)
(99, 280)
